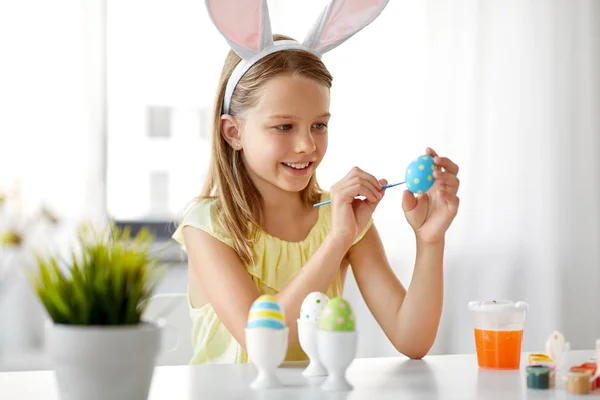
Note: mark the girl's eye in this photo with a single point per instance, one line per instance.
(320, 126)
(284, 128)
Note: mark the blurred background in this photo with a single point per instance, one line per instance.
(105, 112)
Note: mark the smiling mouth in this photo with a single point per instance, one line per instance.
(297, 166)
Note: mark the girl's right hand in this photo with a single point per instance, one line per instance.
(349, 216)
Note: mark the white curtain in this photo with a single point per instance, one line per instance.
(509, 89)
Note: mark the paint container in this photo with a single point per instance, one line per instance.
(591, 369)
(578, 382)
(538, 377)
(535, 358)
(544, 360)
(498, 329)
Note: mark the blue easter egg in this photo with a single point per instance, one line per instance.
(419, 174)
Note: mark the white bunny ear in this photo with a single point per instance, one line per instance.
(245, 24)
(340, 20)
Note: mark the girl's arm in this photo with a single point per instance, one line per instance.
(410, 318)
(412, 321)
(230, 289)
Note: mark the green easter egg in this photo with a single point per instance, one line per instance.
(337, 316)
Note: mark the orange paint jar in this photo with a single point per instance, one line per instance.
(498, 333)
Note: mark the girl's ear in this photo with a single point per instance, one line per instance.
(230, 130)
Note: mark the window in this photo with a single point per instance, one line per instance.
(160, 88)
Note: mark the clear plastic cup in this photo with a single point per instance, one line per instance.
(498, 328)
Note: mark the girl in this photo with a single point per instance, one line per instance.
(254, 230)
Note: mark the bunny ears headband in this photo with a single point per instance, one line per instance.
(246, 26)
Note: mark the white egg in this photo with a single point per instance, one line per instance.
(312, 306)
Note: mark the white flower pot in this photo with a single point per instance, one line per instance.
(103, 362)
(19, 308)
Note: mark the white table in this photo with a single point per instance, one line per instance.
(434, 377)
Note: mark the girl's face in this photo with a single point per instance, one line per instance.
(284, 138)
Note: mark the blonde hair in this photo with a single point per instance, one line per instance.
(239, 202)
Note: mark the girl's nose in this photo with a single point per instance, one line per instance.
(305, 142)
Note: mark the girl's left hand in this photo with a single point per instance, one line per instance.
(431, 213)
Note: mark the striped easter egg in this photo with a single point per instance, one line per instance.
(266, 312)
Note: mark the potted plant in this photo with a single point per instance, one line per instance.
(98, 344)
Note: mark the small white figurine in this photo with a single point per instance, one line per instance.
(308, 325)
(266, 340)
(336, 342)
(557, 349)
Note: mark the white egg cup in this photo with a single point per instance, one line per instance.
(307, 336)
(336, 352)
(266, 349)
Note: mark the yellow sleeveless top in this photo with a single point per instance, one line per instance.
(277, 262)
